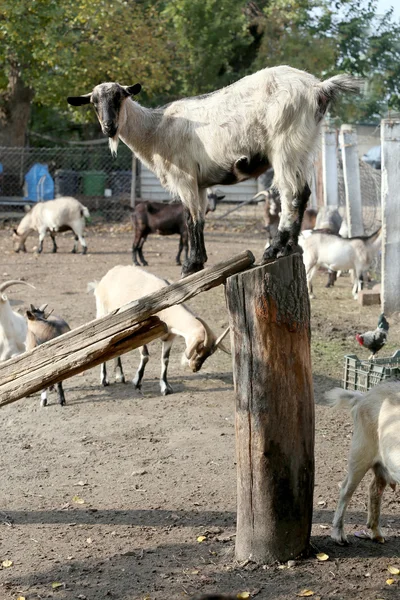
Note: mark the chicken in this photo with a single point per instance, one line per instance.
(375, 340)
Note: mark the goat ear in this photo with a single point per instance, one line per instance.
(79, 100)
(133, 90)
(30, 315)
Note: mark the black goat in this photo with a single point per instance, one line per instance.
(164, 219)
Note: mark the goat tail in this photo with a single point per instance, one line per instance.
(85, 212)
(329, 90)
(343, 398)
(92, 286)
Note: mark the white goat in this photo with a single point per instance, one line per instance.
(375, 445)
(12, 325)
(53, 216)
(270, 118)
(339, 254)
(123, 284)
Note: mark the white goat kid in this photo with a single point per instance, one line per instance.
(270, 118)
(375, 445)
(123, 284)
(339, 254)
(61, 214)
(12, 325)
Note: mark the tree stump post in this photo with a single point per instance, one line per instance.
(269, 316)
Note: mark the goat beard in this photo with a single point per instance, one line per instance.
(113, 143)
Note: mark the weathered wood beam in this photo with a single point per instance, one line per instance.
(101, 339)
(269, 315)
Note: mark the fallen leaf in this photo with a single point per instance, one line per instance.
(7, 563)
(243, 595)
(362, 534)
(282, 567)
(201, 538)
(56, 584)
(393, 570)
(78, 500)
(194, 572)
(305, 593)
(390, 581)
(89, 540)
(21, 598)
(324, 526)
(82, 483)
(322, 556)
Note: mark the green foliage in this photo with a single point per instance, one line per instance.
(185, 47)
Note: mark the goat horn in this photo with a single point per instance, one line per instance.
(7, 284)
(221, 337)
(262, 193)
(207, 330)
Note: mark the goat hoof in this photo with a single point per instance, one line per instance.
(189, 268)
(165, 391)
(73, 251)
(120, 379)
(84, 250)
(105, 383)
(43, 403)
(145, 263)
(340, 538)
(270, 254)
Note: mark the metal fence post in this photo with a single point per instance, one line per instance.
(390, 140)
(329, 167)
(351, 174)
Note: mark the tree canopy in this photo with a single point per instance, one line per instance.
(50, 49)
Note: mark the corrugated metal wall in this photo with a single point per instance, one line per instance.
(151, 188)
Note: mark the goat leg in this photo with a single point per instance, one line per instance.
(166, 349)
(43, 398)
(60, 392)
(376, 490)
(144, 359)
(103, 375)
(53, 239)
(285, 241)
(119, 373)
(197, 255)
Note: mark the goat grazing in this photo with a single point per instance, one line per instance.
(375, 445)
(123, 284)
(42, 328)
(164, 219)
(53, 216)
(339, 254)
(270, 118)
(12, 325)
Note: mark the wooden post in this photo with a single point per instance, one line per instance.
(269, 316)
(133, 182)
(116, 333)
(329, 167)
(352, 185)
(390, 139)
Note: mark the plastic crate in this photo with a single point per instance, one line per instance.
(362, 375)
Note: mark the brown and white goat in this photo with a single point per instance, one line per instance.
(375, 445)
(164, 219)
(123, 284)
(42, 328)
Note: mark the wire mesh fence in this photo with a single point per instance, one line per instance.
(89, 173)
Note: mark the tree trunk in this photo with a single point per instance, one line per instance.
(270, 327)
(15, 110)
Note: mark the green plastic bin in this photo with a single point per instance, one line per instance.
(94, 183)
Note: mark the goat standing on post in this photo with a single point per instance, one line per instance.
(270, 118)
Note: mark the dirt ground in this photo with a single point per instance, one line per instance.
(106, 497)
